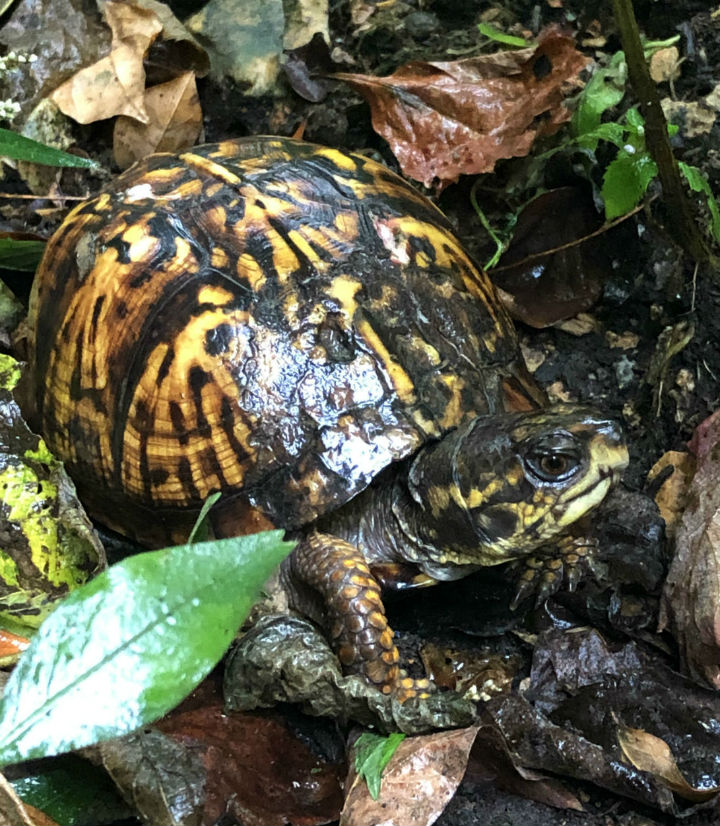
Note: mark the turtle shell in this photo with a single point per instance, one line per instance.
(272, 319)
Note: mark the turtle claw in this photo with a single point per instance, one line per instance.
(543, 573)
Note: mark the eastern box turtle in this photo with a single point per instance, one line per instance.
(298, 328)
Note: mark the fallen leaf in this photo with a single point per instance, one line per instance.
(652, 754)
(11, 645)
(690, 605)
(49, 547)
(13, 812)
(255, 768)
(671, 496)
(450, 118)
(174, 122)
(551, 269)
(491, 762)
(580, 325)
(417, 783)
(478, 674)
(665, 65)
(115, 85)
(244, 39)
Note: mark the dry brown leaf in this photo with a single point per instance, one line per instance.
(417, 783)
(114, 85)
(690, 604)
(670, 498)
(443, 120)
(11, 645)
(174, 122)
(651, 754)
(665, 65)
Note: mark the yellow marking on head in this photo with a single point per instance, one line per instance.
(455, 409)
(476, 496)
(401, 381)
(438, 498)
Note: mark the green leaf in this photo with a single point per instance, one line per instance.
(500, 37)
(605, 89)
(698, 183)
(612, 132)
(20, 255)
(124, 649)
(71, 791)
(201, 529)
(372, 753)
(20, 148)
(625, 182)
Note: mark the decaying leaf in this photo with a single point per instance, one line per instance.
(417, 783)
(652, 754)
(11, 646)
(475, 674)
(443, 120)
(671, 496)
(253, 766)
(549, 271)
(47, 545)
(115, 85)
(174, 122)
(13, 812)
(285, 659)
(691, 599)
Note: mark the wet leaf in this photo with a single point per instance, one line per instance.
(372, 754)
(306, 67)
(549, 272)
(443, 120)
(115, 85)
(284, 659)
(13, 812)
(244, 39)
(418, 782)
(253, 766)
(20, 148)
(162, 779)
(626, 180)
(48, 546)
(652, 754)
(174, 122)
(140, 636)
(21, 255)
(71, 790)
(691, 599)
(478, 674)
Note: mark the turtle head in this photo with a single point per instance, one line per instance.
(501, 486)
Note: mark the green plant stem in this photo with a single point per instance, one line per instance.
(682, 226)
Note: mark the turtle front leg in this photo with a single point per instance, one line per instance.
(353, 612)
(544, 571)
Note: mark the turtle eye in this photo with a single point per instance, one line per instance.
(552, 466)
